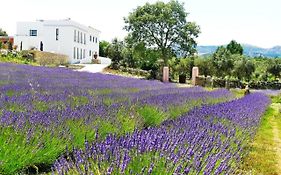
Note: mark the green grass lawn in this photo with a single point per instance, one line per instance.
(264, 157)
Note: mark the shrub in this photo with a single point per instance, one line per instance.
(50, 59)
(151, 116)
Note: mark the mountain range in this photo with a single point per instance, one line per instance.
(249, 50)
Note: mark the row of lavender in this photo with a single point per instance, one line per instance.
(44, 110)
(207, 140)
(35, 95)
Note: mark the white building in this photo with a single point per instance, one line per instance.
(66, 37)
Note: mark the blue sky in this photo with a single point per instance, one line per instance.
(256, 22)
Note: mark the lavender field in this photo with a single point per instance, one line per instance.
(58, 121)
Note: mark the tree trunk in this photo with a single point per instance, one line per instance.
(164, 57)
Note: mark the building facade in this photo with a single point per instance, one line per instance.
(80, 43)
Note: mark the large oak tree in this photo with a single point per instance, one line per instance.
(163, 26)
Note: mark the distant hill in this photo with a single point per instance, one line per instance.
(249, 50)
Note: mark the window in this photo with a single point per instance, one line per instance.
(74, 35)
(84, 53)
(93, 39)
(90, 53)
(81, 37)
(84, 38)
(96, 40)
(57, 34)
(78, 37)
(90, 37)
(81, 54)
(77, 53)
(74, 53)
(33, 33)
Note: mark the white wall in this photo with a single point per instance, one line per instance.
(23, 31)
(46, 32)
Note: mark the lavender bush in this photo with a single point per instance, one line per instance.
(43, 111)
(207, 140)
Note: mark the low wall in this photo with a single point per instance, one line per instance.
(47, 58)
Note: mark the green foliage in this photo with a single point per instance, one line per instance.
(276, 99)
(19, 150)
(243, 68)
(105, 128)
(108, 101)
(205, 66)
(181, 66)
(78, 101)
(10, 93)
(115, 52)
(103, 48)
(222, 62)
(164, 26)
(184, 66)
(79, 131)
(178, 110)
(1, 45)
(127, 123)
(151, 115)
(235, 48)
(274, 68)
(3, 33)
(40, 106)
(14, 107)
(144, 160)
(18, 59)
(129, 59)
(146, 57)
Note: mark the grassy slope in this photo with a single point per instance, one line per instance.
(264, 157)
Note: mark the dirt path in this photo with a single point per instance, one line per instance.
(276, 134)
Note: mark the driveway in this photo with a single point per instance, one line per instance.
(95, 68)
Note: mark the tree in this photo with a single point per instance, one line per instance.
(274, 68)
(205, 66)
(163, 26)
(142, 57)
(3, 33)
(103, 48)
(115, 52)
(222, 62)
(128, 58)
(235, 48)
(244, 69)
